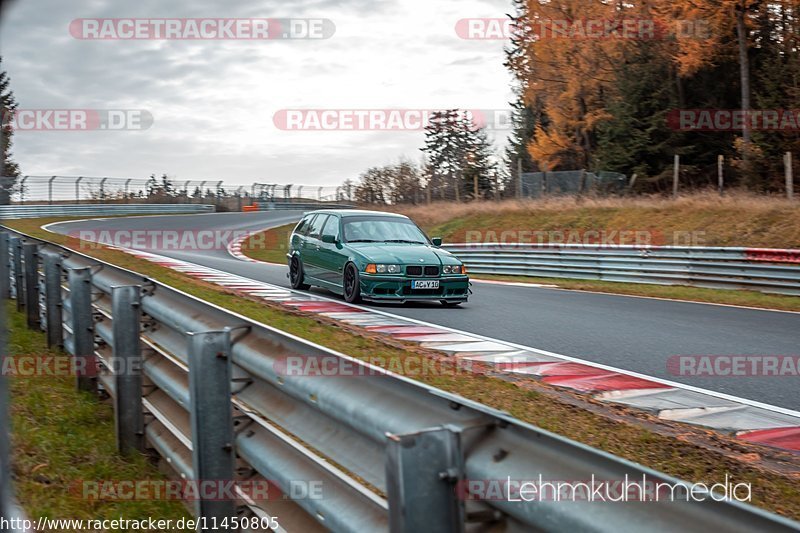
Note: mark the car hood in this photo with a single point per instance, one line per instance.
(409, 254)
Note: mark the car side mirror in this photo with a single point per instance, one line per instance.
(437, 241)
(330, 239)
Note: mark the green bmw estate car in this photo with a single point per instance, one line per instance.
(373, 256)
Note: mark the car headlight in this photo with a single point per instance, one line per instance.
(453, 269)
(384, 269)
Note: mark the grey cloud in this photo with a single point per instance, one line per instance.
(204, 94)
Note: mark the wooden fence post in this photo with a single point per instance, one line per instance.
(675, 173)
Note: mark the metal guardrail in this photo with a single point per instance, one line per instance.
(307, 206)
(11, 516)
(765, 270)
(64, 210)
(386, 452)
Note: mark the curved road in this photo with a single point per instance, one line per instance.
(637, 334)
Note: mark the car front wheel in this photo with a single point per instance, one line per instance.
(351, 284)
(296, 274)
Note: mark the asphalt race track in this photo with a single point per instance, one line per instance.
(637, 334)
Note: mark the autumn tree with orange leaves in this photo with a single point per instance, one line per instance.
(604, 98)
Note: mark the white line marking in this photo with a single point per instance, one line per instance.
(515, 346)
(309, 296)
(239, 255)
(512, 283)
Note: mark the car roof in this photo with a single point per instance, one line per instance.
(354, 213)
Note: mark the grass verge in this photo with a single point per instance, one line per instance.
(270, 246)
(701, 219)
(683, 451)
(61, 437)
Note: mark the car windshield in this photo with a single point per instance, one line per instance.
(382, 229)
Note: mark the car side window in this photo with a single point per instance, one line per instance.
(302, 226)
(332, 226)
(315, 226)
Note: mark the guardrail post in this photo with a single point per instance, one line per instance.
(30, 252)
(211, 416)
(19, 276)
(5, 271)
(127, 367)
(52, 299)
(423, 472)
(80, 295)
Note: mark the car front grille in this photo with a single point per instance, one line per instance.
(417, 270)
(414, 270)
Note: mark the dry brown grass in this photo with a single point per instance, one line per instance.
(440, 212)
(736, 219)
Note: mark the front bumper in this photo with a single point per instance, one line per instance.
(377, 287)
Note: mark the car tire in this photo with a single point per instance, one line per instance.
(351, 285)
(296, 274)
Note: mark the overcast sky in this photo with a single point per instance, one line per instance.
(213, 102)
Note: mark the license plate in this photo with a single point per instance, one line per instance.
(425, 284)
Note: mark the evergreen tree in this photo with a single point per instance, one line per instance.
(524, 119)
(445, 149)
(635, 138)
(10, 170)
(479, 166)
(457, 154)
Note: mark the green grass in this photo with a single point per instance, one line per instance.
(270, 246)
(686, 452)
(61, 437)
